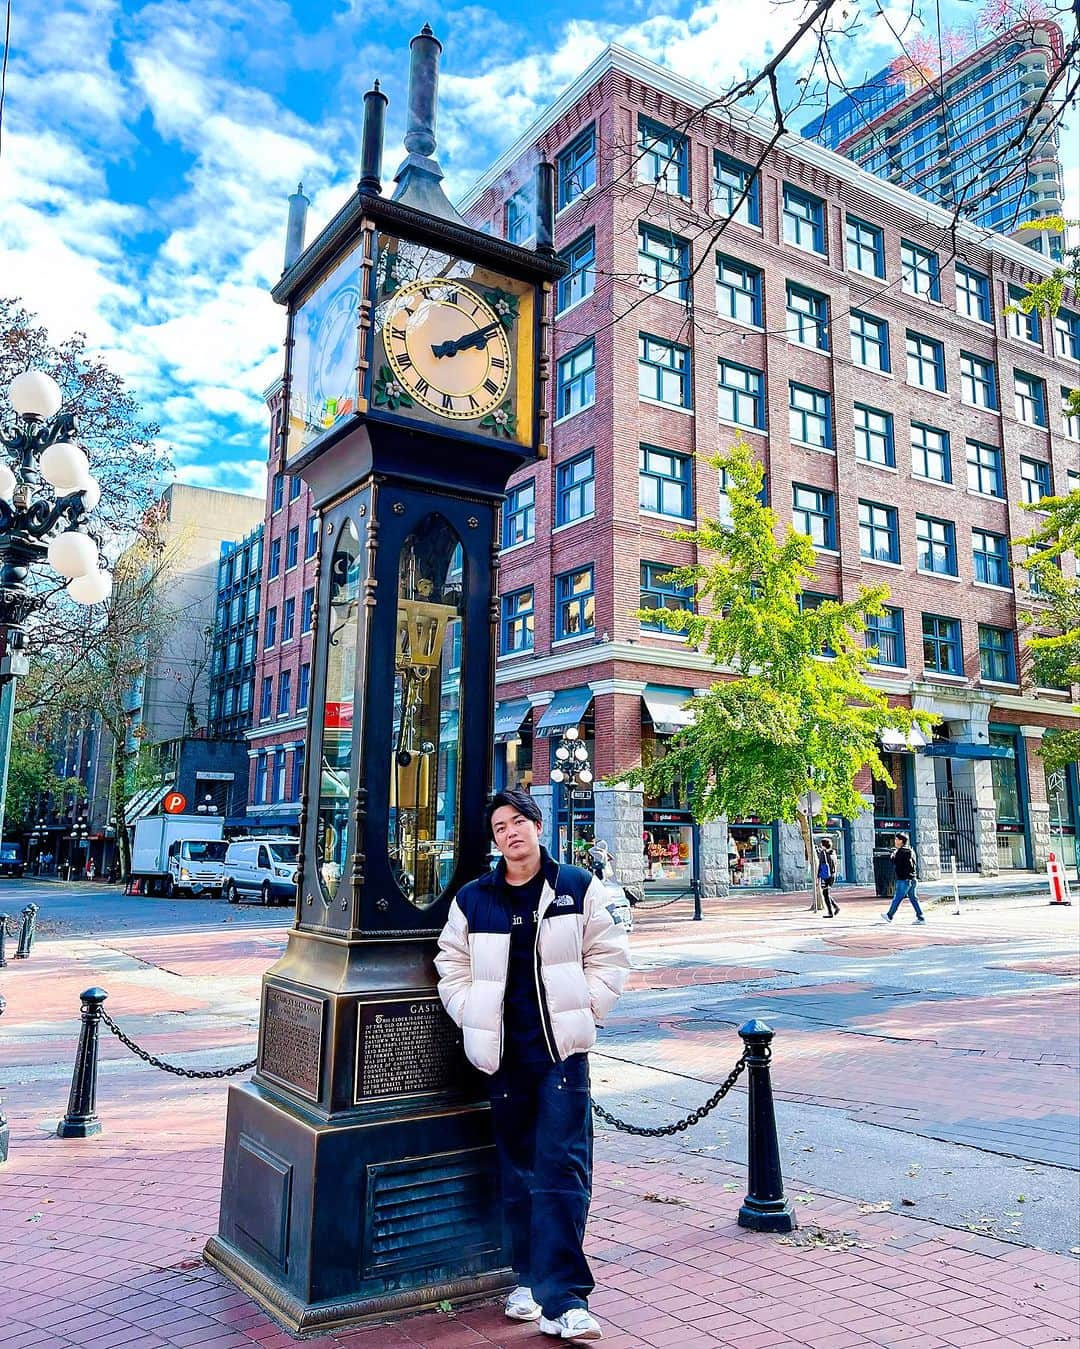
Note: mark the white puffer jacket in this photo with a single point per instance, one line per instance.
(584, 958)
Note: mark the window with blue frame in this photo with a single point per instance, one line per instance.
(803, 219)
(807, 317)
(936, 545)
(284, 696)
(1025, 327)
(879, 532)
(885, 632)
(270, 635)
(296, 486)
(663, 157)
(580, 278)
(663, 371)
(307, 612)
(575, 167)
(973, 294)
(997, 654)
(736, 190)
(874, 436)
(260, 777)
(664, 482)
(663, 262)
(311, 541)
(810, 416)
(919, 271)
(811, 599)
(575, 380)
(984, 474)
(297, 774)
(1067, 334)
(517, 621)
(519, 216)
(869, 341)
(930, 454)
(1029, 398)
(292, 547)
(1034, 480)
(279, 775)
(813, 513)
(659, 592)
(739, 291)
(925, 362)
(303, 687)
(865, 247)
(741, 395)
(277, 492)
(991, 553)
(977, 383)
(519, 514)
(575, 603)
(247, 692)
(942, 648)
(575, 489)
(1070, 424)
(288, 619)
(274, 562)
(266, 705)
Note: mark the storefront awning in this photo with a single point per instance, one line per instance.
(667, 708)
(565, 710)
(145, 802)
(967, 749)
(897, 741)
(509, 716)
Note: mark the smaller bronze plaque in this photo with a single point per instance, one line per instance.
(404, 1047)
(290, 1050)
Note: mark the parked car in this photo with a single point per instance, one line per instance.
(11, 860)
(261, 867)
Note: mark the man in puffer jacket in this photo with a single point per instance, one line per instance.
(529, 961)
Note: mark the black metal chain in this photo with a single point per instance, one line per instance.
(695, 1116)
(171, 1067)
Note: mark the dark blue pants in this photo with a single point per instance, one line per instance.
(543, 1138)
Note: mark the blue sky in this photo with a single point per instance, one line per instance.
(149, 149)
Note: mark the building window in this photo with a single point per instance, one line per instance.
(279, 774)
(984, 469)
(270, 635)
(741, 395)
(972, 294)
(1035, 480)
(576, 380)
(663, 371)
(936, 540)
(307, 612)
(869, 341)
(1070, 425)
(736, 190)
(519, 216)
(879, 532)
(274, 564)
(575, 603)
(576, 167)
(930, 456)
(519, 514)
(804, 220)
(942, 650)
(809, 416)
(1067, 334)
(997, 654)
(991, 552)
(865, 248)
(739, 289)
(919, 271)
(292, 547)
(311, 542)
(266, 706)
(247, 689)
(580, 278)
(885, 631)
(303, 687)
(1024, 327)
(297, 773)
(1030, 399)
(657, 592)
(575, 489)
(277, 492)
(517, 621)
(977, 383)
(808, 317)
(284, 692)
(296, 486)
(813, 513)
(874, 436)
(663, 157)
(664, 485)
(925, 362)
(288, 619)
(260, 778)
(663, 262)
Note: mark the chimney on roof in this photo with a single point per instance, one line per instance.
(294, 234)
(419, 179)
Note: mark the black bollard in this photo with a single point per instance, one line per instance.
(81, 1119)
(764, 1209)
(3, 939)
(26, 932)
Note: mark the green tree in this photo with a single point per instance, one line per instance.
(784, 721)
(32, 776)
(1062, 286)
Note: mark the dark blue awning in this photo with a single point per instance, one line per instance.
(967, 749)
(509, 716)
(566, 709)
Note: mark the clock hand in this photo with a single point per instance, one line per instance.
(477, 338)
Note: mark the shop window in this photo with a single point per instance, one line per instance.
(751, 855)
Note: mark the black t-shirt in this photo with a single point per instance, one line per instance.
(526, 1043)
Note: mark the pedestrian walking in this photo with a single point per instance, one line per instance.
(826, 871)
(600, 860)
(529, 961)
(905, 868)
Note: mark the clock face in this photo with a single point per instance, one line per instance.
(448, 348)
(334, 365)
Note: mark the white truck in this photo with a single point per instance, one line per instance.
(174, 854)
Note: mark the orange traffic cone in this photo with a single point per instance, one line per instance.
(1056, 876)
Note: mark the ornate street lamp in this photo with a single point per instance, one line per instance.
(206, 806)
(572, 769)
(79, 835)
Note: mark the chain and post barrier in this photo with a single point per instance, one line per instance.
(3, 939)
(26, 932)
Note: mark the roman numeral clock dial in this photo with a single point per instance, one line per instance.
(448, 349)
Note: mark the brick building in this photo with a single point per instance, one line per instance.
(901, 416)
(236, 635)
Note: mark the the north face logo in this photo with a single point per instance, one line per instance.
(563, 902)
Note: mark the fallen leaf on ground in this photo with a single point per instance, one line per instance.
(908, 1203)
(822, 1238)
(663, 1199)
(879, 1207)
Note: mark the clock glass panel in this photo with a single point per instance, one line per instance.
(323, 365)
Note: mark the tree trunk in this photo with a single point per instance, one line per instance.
(810, 851)
(120, 802)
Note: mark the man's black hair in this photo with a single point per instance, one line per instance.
(903, 839)
(520, 801)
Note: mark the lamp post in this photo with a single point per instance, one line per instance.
(1059, 797)
(36, 837)
(572, 768)
(46, 493)
(79, 835)
(206, 806)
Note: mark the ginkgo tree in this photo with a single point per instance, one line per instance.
(790, 716)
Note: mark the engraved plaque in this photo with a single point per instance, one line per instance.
(292, 1034)
(404, 1047)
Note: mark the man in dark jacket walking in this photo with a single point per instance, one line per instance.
(904, 867)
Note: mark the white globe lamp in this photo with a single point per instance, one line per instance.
(91, 589)
(73, 554)
(65, 467)
(91, 494)
(35, 394)
(7, 483)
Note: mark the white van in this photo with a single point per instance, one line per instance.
(262, 867)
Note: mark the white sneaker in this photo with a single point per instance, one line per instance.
(886, 917)
(521, 1305)
(575, 1324)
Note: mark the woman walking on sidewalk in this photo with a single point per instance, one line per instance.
(826, 870)
(904, 866)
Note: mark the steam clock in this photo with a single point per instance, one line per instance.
(359, 1174)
